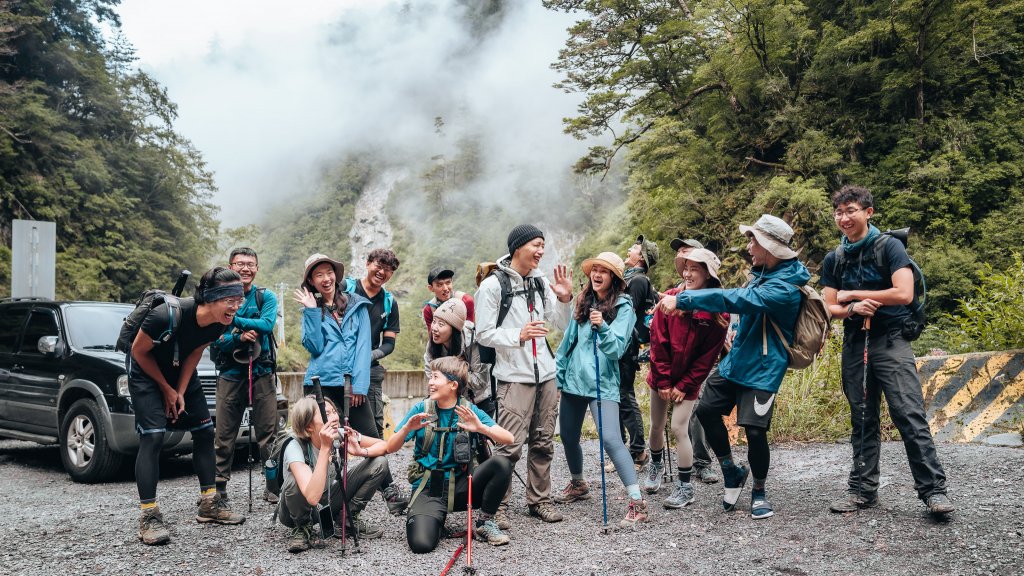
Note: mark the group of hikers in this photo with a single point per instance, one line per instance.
(495, 384)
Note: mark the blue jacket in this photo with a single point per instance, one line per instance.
(338, 350)
(575, 372)
(774, 292)
(250, 317)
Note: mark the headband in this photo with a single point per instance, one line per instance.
(214, 293)
(453, 378)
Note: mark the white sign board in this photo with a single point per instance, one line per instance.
(33, 259)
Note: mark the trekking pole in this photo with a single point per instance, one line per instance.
(451, 562)
(668, 472)
(249, 463)
(533, 341)
(318, 393)
(600, 439)
(346, 405)
(469, 529)
(861, 464)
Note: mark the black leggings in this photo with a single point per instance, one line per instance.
(147, 463)
(427, 514)
(758, 453)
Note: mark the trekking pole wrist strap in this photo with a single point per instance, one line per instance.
(849, 309)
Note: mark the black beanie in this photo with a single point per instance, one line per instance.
(521, 235)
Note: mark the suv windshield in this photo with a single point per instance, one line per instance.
(95, 326)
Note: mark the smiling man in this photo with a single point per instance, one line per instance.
(751, 373)
(858, 290)
(250, 331)
(440, 283)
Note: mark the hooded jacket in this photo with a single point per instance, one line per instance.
(684, 349)
(336, 350)
(514, 360)
(575, 369)
(479, 372)
(773, 292)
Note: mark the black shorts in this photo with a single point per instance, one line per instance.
(148, 403)
(753, 407)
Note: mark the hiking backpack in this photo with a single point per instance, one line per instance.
(645, 312)
(809, 333)
(226, 361)
(480, 452)
(149, 300)
(350, 287)
(487, 354)
(912, 328)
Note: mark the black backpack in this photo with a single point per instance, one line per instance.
(913, 326)
(487, 354)
(273, 471)
(226, 361)
(143, 306)
(642, 334)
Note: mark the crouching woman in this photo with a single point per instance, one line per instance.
(440, 476)
(311, 479)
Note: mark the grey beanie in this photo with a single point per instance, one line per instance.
(521, 235)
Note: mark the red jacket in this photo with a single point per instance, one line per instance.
(684, 349)
(430, 305)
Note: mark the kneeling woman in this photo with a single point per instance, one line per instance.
(307, 468)
(440, 483)
(605, 315)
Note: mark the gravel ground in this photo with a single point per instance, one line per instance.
(50, 525)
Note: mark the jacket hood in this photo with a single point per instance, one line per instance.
(355, 302)
(505, 263)
(791, 271)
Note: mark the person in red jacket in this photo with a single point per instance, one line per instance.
(684, 348)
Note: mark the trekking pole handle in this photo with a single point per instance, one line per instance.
(318, 393)
(179, 285)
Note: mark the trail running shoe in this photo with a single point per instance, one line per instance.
(575, 490)
(652, 475)
(760, 507)
(364, 529)
(706, 474)
(152, 530)
(302, 538)
(683, 495)
(735, 478)
(853, 502)
(396, 501)
(546, 511)
(489, 532)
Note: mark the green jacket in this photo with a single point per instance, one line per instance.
(574, 359)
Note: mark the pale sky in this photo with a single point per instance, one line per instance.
(269, 91)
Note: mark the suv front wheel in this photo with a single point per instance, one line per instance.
(84, 449)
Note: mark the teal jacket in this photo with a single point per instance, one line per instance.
(338, 350)
(250, 317)
(773, 292)
(574, 370)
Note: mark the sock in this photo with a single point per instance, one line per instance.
(684, 473)
(759, 485)
(634, 492)
(207, 491)
(577, 476)
(222, 487)
(482, 517)
(657, 455)
(146, 505)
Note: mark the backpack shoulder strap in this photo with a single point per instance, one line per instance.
(388, 301)
(506, 295)
(350, 284)
(881, 258)
(429, 408)
(259, 299)
(174, 320)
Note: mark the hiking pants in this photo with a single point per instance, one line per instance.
(363, 480)
(630, 419)
(891, 371)
(701, 450)
(528, 411)
(572, 410)
(375, 398)
(425, 524)
(232, 399)
(682, 414)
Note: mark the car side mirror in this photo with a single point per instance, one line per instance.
(50, 346)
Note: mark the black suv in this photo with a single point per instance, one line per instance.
(62, 382)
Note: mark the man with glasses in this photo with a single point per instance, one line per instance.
(859, 290)
(250, 332)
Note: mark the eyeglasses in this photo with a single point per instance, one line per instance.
(838, 214)
(244, 265)
(235, 302)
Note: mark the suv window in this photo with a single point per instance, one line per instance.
(95, 326)
(11, 320)
(41, 323)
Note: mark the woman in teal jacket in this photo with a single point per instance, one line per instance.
(604, 312)
(336, 332)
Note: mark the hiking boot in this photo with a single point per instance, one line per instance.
(488, 531)
(302, 538)
(363, 529)
(501, 519)
(641, 459)
(152, 530)
(760, 507)
(218, 511)
(652, 475)
(939, 505)
(853, 502)
(575, 490)
(706, 474)
(683, 495)
(609, 467)
(396, 501)
(735, 477)
(546, 512)
(269, 496)
(635, 512)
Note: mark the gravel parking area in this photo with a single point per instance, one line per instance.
(50, 525)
